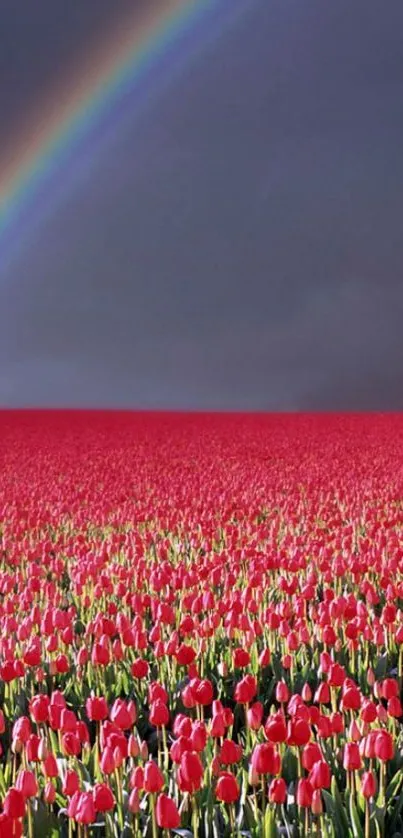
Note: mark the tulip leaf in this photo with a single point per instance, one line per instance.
(336, 812)
(378, 828)
(7, 772)
(393, 787)
(339, 805)
(45, 823)
(290, 766)
(395, 812)
(381, 667)
(3, 786)
(354, 816)
(270, 828)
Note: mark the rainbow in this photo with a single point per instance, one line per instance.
(69, 115)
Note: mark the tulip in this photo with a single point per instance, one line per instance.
(167, 813)
(96, 708)
(26, 783)
(107, 762)
(352, 759)
(275, 728)
(317, 806)
(254, 715)
(384, 747)
(190, 772)
(153, 779)
(282, 692)
(265, 759)
(230, 752)
(368, 784)
(103, 797)
(49, 794)
(227, 789)
(246, 690)
(277, 791)
(304, 793)
(319, 775)
(14, 804)
(85, 810)
(159, 714)
(71, 783)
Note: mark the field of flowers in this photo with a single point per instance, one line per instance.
(201, 625)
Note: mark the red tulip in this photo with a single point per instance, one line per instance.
(227, 789)
(230, 752)
(384, 747)
(153, 779)
(190, 772)
(26, 783)
(351, 758)
(167, 813)
(85, 810)
(14, 804)
(276, 728)
(71, 783)
(103, 797)
(277, 791)
(96, 708)
(255, 715)
(159, 714)
(38, 708)
(320, 775)
(282, 692)
(265, 759)
(368, 784)
(304, 793)
(246, 690)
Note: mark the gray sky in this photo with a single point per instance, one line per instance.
(238, 243)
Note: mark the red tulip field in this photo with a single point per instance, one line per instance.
(201, 626)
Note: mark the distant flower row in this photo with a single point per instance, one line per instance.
(201, 626)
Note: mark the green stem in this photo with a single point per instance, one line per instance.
(367, 822)
(30, 821)
(382, 784)
(153, 816)
(306, 824)
(166, 751)
(232, 818)
(262, 783)
(195, 817)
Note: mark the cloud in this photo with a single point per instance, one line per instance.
(239, 244)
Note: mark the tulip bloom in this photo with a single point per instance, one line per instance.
(14, 804)
(351, 758)
(96, 708)
(230, 752)
(276, 728)
(245, 690)
(277, 791)
(384, 747)
(265, 759)
(320, 775)
(368, 785)
(26, 783)
(304, 793)
(153, 779)
(159, 714)
(103, 797)
(227, 789)
(85, 810)
(254, 715)
(190, 772)
(71, 783)
(167, 813)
